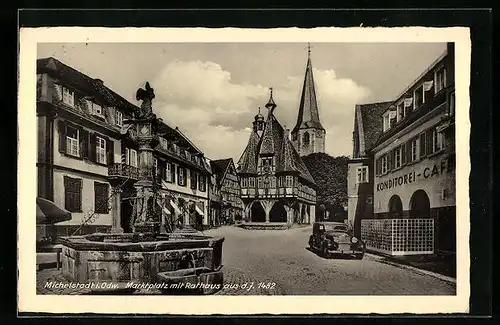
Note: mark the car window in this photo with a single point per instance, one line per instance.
(338, 228)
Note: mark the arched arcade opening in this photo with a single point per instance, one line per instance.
(420, 206)
(257, 213)
(278, 212)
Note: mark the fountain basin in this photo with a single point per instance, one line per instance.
(125, 259)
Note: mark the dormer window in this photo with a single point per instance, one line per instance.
(439, 80)
(387, 121)
(95, 109)
(419, 97)
(400, 111)
(119, 118)
(68, 96)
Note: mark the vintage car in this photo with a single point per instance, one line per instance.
(335, 238)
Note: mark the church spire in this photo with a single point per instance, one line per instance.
(308, 116)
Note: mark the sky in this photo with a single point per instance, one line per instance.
(212, 91)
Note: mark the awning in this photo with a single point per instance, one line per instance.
(199, 210)
(176, 208)
(47, 212)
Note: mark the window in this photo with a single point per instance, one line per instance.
(437, 140)
(181, 178)
(100, 150)
(202, 186)
(95, 109)
(397, 157)
(280, 181)
(422, 145)
(251, 181)
(384, 164)
(163, 143)
(400, 112)
(439, 79)
(452, 104)
(119, 118)
(244, 182)
(131, 157)
(387, 121)
(306, 138)
(72, 194)
(72, 141)
(418, 97)
(289, 181)
(68, 96)
(101, 197)
(273, 181)
(414, 149)
(168, 172)
(259, 182)
(194, 180)
(362, 174)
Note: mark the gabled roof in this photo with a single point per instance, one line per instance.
(220, 167)
(248, 160)
(82, 82)
(308, 116)
(369, 124)
(271, 136)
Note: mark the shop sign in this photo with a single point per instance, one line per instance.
(444, 166)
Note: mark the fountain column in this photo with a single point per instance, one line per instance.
(116, 226)
(147, 217)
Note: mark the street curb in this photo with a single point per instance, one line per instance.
(415, 269)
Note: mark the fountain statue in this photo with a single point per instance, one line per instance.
(150, 254)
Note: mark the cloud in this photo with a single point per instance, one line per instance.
(216, 113)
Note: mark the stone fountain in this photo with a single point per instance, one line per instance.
(149, 257)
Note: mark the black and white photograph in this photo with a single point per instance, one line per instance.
(298, 166)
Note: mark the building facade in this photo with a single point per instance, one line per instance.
(308, 135)
(275, 184)
(228, 185)
(214, 198)
(87, 157)
(411, 166)
(360, 176)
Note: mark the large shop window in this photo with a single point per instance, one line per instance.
(73, 194)
(101, 195)
(362, 174)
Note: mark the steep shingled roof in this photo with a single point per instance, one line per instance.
(219, 168)
(308, 116)
(248, 160)
(289, 160)
(370, 124)
(82, 82)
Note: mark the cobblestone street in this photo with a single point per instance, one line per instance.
(266, 262)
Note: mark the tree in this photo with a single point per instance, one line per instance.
(330, 174)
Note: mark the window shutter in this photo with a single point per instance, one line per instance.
(379, 166)
(390, 160)
(403, 153)
(62, 136)
(185, 176)
(110, 151)
(428, 141)
(172, 169)
(423, 147)
(92, 147)
(84, 143)
(124, 153)
(178, 173)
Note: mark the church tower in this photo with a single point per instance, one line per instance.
(308, 135)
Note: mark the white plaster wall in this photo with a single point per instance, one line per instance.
(87, 197)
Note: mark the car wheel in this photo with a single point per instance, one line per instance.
(311, 246)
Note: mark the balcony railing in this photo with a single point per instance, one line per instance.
(123, 171)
